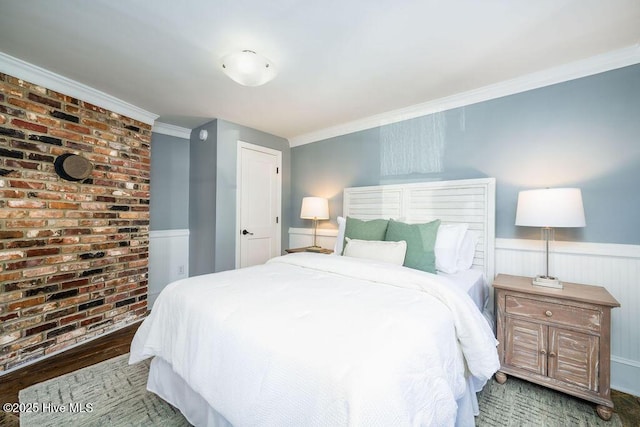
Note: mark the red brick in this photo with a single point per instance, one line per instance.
(11, 194)
(46, 196)
(63, 205)
(11, 234)
(72, 318)
(28, 105)
(95, 124)
(48, 121)
(46, 214)
(60, 133)
(42, 100)
(75, 284)
(77, 128)
(40, 271)
(42, 252)
(13, 213)
(40, 207)
(27, 204)
(67, 188)
(27, 125)
(26, 184)
(7, 255)
(7, 276)
(24, 264)
(25, 303)
(21, 164)
(22, 223)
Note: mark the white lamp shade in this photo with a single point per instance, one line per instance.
(314, 208)
(248, 68)
(550, 207)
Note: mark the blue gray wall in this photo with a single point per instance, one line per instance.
(194, 186)
(212, 194)
(226, 187)
(583, 133)
(169, 205)
(202, 200)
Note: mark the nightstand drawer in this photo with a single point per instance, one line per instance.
(553, 313)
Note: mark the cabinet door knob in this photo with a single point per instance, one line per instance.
(552, 354)
(548, 313)
(543, 352)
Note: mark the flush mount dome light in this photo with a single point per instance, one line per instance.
(248, 68)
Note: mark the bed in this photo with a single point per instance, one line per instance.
(311, 339)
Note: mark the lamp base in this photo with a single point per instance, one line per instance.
(547, 282)
(314, 249)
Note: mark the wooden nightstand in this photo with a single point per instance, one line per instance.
(309, 249)
(558, 338)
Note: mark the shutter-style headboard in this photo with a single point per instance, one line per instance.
(469, 201)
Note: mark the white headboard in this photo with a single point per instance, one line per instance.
(471, 201)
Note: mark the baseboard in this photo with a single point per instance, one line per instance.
(625, 375)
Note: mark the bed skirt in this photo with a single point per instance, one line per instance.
(169, 386)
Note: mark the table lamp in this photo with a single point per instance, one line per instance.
(548, 208)
(314, 208)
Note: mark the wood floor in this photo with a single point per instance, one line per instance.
(98, 350)
(118, 342)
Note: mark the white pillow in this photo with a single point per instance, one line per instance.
(342, 224)
(391, 252)
(467, 251)
(448, 244)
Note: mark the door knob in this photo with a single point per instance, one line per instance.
(245, 232)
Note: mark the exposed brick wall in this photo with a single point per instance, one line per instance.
(73, 255)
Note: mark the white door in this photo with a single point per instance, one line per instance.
(259, 188)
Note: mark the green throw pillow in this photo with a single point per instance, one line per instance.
(420, 238)
(375, 229)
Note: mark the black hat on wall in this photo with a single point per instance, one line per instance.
(73, 167)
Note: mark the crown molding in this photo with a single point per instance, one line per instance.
(171, 130)
(23, 70)
(571, 71)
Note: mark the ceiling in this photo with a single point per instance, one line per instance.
(339, 61)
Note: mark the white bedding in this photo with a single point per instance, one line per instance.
(308, 339)
(471, 282)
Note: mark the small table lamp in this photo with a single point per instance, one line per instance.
(314, 208)
(548, 208)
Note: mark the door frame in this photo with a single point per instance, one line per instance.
(242, 145)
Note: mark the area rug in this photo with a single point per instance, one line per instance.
(520, 403)
(110, 393)
(113, 393)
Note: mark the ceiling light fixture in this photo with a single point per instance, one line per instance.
(248, 68)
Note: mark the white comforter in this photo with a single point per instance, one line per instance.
(318, 340)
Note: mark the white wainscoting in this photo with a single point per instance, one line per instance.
(302, 237)
(168, 259)
(615, 267)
